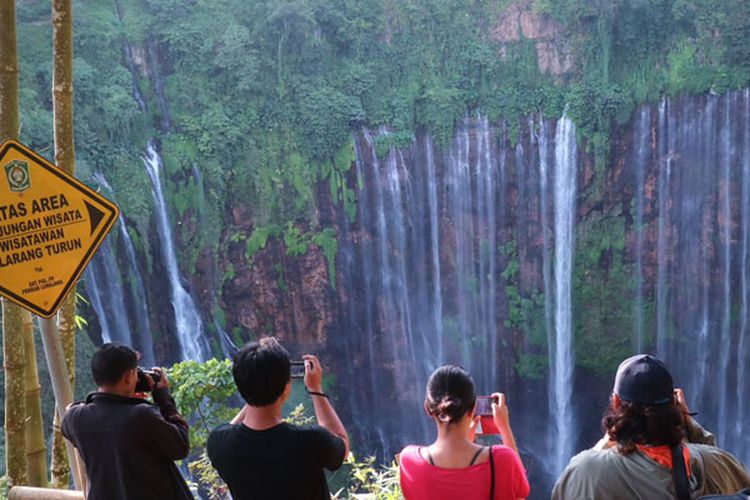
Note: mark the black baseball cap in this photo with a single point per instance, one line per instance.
(643, 379)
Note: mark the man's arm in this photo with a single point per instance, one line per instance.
(324, 412)
(695, 433)
(169, 434)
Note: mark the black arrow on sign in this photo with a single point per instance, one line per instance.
(95, 216)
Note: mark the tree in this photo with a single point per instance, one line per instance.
(36, 448)
(15, 409)
(62, 103)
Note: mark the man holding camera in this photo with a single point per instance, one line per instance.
(128, 445)
(258, 454)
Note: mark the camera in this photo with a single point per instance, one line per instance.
(142, 385)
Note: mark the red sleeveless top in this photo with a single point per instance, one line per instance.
(421, 480)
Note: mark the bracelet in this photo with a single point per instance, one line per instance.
(312, 393)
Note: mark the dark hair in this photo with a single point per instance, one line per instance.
(111, 361)
(261, 371)
(631, 424)
(450, 393)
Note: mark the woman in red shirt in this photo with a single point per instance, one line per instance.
(454, 467)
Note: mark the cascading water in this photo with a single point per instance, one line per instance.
(562, 362)
(131, 288)
(702, 263)
(486, 253)
(543, 144)
(188, 322)
(460, 198)
(112, 289)
(106, 292)
(418, 307)
(742, 417)
(725, 222)
(662, 273)
(144, 342)
(642, 149)
(437, 296)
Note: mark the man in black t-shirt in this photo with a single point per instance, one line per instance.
(260, 456)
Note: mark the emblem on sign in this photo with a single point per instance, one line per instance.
(17, 173)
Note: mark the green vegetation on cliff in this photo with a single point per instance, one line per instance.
(262, 95)
(253, 103)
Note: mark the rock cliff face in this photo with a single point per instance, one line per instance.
(519, 21)
(277, 295)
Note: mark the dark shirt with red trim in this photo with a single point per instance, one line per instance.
(129, 446)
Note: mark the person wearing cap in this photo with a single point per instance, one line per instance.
(646, 424)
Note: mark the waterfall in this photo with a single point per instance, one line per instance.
(400, 296)
(144, 342)
(665, 171)
(706, 181)
(562, 362)
(117, 292)
(437, 297)
(188, 322)
(460, 200)
(725, 159)
(486, 202)
(424, 268)
(542, 141)
(642, 130)
(107, 295)
(742, 420)
(702, 274)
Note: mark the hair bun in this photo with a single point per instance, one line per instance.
(448, 407)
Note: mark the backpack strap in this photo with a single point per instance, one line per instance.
(492, 475)
(679, 474)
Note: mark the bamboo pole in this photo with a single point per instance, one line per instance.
(26, 493)
(15, 407)
(36, 448)
(15, 411)
(62, 105)
(58, 372)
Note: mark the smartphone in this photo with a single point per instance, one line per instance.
(484, 405)
(298, 369)
(484, 411)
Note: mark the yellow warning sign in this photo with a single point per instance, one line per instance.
(50, 226)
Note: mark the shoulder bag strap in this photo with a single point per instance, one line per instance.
(679, 474)
(492, 475)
